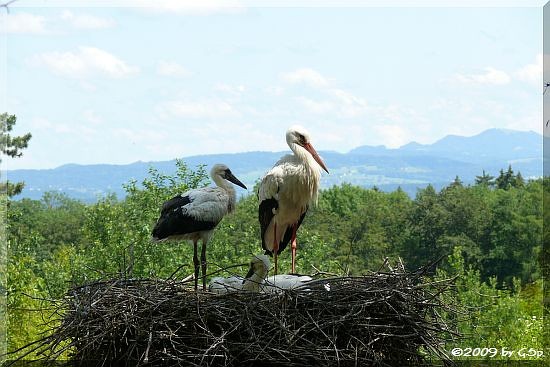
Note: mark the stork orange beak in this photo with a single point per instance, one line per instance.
(315, 156)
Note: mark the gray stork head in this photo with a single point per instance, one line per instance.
(222, 171)
(297, 136)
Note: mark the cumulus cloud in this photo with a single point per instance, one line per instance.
(489, 76)
(197, 109)
(334, 100)
(305, 76)
(317, 107)
(86, 21)
(25, 23)
(172, 69)
(531, 73)
(84, 62)
(393, 136)
(41, 123)
(230, 89)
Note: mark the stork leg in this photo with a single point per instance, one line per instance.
(196, 263)
(203, 265)
(293, 247)
(275, 245)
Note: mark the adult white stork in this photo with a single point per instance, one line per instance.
(259, 266)
(285, 193)
(194, 214)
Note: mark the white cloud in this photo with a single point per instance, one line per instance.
(338, 101)
(172, 69)
(349, 105)
(25, 23)
(82, 131)
(191, 7)
(84, 62)
(140, 135)
(86, 21)
(274, 91)
(317, 107)
(230, 89)
(531, 73)
(197, 109)
(393, 136)
(490, 76)
(305, 76)
(92, 117)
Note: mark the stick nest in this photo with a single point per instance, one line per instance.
(384, 318)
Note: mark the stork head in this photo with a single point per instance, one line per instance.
(222, 171)
(298, 136)
(259, 266)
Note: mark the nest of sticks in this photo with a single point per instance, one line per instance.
(383, 318)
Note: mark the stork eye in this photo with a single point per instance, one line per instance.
(301, 138)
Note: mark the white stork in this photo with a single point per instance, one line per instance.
(285, 193)
(280, 282)
(194, 214)
(259, 266)
(255, 281)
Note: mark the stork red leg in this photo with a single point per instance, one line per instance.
(203, 265)
(196, 263)
(293, 247)
(275, 245)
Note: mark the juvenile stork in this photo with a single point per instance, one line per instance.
(259, 266)
(285, 193)
(254, 280)
(194, 214)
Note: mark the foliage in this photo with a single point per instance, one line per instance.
(490, 236)
(11, 146)
(118, 233)
(509, 318)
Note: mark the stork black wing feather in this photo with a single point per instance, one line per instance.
(265, 214)
(174, 203)
(173, 222)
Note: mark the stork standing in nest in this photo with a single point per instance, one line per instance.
(194, 214)
(285, 193)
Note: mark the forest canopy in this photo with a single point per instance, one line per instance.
(489, 232)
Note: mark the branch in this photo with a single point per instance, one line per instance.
(7, 5)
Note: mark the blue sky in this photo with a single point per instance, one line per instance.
(120, 84)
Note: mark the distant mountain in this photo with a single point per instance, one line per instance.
(492, 144)
(488, 145)
(411, 166)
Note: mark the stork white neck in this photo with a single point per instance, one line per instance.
(228, 187)
(307, 159)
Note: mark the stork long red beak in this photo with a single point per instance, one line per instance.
(315, 156)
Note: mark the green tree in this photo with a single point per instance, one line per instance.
(510, 318)
(485, 180)
(118, 233)
(505, 180)
(427, 221)
(11, 146)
